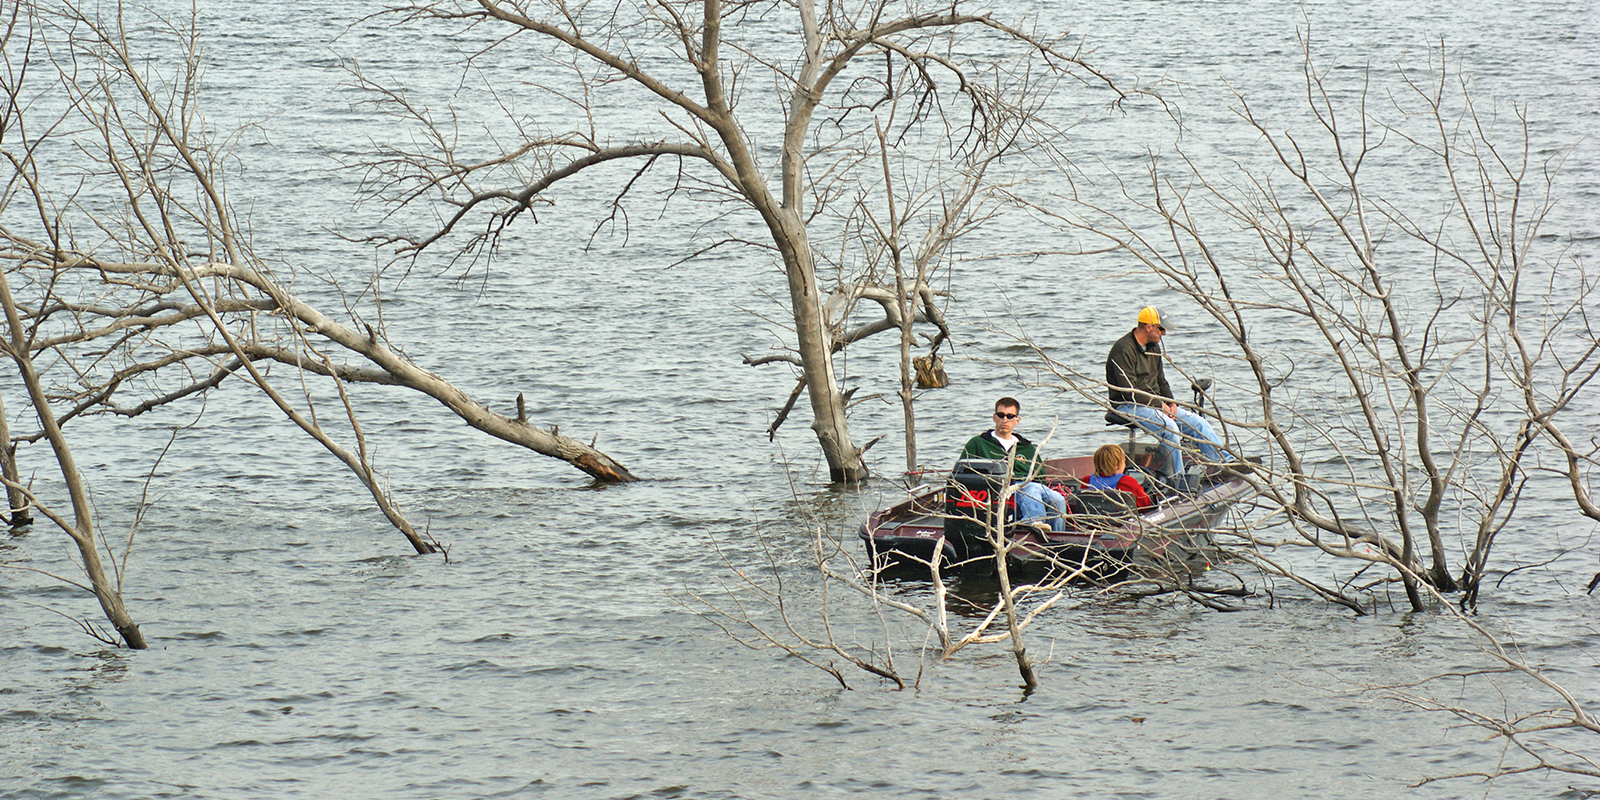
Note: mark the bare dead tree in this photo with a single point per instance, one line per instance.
(80, 527)
(1458, 341)
(884, 238)
(130, 286)
(694, 76)
(763, 609)
(195, 264)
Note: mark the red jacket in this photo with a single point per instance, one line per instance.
(1127, 484)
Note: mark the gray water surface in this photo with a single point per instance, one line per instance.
(298, 650)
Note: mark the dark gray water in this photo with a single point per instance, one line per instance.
(298, 651)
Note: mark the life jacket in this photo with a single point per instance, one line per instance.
(1105, 483)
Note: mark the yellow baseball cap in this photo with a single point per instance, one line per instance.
(1149, 316)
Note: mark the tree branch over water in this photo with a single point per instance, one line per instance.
(129, 285)
(872, 104)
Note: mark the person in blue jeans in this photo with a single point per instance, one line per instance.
(1034, 500)
(1139, 390)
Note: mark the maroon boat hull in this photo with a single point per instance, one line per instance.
(913, 530)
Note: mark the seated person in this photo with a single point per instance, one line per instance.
(1139, 390)
(1109, 463)
(1033, 500)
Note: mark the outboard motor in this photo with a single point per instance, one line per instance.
(972, 504)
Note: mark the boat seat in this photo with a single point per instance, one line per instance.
(1101, 502)
(1141, 473)
(1100, 508)
(1115, 417)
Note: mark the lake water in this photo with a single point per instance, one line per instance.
(299, 650)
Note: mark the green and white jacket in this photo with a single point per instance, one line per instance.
(1027, 465)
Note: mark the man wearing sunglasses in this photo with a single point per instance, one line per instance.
(1034, 500)
(1139, 391)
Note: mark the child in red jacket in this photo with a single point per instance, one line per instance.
(1109, 462)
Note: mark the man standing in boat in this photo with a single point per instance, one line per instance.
(1034, 500)
(1139, 391)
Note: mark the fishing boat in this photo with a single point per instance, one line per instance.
(952, 514)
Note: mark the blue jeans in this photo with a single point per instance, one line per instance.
(1035, 500)
(1174, 432)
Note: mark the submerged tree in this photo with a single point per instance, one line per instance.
(1400, 252)
(773, 108)
(129, 286)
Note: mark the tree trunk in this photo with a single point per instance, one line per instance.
(108, 595)
(18, 514)
(1019, 650)
(82, 528)
(908, 409)
(997, 539)
(845, 464)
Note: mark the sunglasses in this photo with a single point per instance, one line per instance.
(1004, 415)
